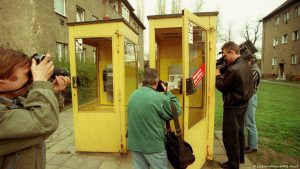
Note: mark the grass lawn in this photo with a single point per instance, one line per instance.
(278, 123)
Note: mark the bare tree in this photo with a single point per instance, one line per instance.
(176, 6)
(197, 5)
(140, 10)
(227, 35)
(160, 7)
(251, 31)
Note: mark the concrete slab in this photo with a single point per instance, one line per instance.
(108, 164)
(59, 159)
(90, 163)
(74, 161)
(219, 150)
(51, 166)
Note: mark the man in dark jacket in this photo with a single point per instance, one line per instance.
(236, 85)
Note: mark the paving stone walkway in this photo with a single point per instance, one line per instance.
(61, 154)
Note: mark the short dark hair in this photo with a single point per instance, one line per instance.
(231, 46)
(150, 77)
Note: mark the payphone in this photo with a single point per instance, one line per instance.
(108, 81)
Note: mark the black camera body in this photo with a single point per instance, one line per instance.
(159, 86)
(221, 64)
(57, 71)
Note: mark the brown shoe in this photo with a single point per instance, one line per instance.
(250, 150)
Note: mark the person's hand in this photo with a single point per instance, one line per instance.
(60, 83)
(218, 72)
(164, 87)
(42, 71)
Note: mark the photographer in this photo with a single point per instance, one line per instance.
(250, 122)
(148, 110)
(26, 122)
(236, 85)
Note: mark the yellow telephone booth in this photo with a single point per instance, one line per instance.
(183, 49)
(102, 81)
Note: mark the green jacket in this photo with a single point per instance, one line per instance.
(147, 112)
(24, 129)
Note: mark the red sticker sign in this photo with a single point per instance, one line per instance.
(198, 75)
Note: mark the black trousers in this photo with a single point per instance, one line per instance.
(233, 135)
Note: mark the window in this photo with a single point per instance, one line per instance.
(274, 61)
(276, 21)
(294, 59)
(82, 55)
(125, 12)
(285, 17)
(297, 11)
(60, 7)
(284, 38)
(61, 52)
(295, 35)
(275, 41)
(94, 18)
(94, 56)
(79, 14)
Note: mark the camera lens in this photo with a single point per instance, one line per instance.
(38, 58)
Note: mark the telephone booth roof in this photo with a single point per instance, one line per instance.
(181, 14)
(118, 20)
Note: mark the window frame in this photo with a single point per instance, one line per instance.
(275, 41)
(63, 13)
(286, 16)
(294, 59)
(284, 39)
(274, 61)
(297, 11)
(295, 35)
(78, 8)
(276, 21)
(59, 51)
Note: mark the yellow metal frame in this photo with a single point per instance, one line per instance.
(200, 135)
(92, 129)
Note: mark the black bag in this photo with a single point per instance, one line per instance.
(180, 153)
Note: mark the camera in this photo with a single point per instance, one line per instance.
(159, 86)
(221, 64)
(57, 71)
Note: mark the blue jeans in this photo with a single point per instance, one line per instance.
(250, 122)
(155, 160)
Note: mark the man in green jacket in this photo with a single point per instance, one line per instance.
(26, 122)
(147, 112)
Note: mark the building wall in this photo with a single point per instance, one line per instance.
(17, 25)
(282, 52)
(33, 26)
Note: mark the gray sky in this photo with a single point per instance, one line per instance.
(234, 12)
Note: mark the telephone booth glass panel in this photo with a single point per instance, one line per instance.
(131, 68)
(94, 73)
(169, 58)
(197, 53)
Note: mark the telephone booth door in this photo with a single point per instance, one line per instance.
(181, 46)
(104, 71)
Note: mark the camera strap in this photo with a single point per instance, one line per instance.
(11, 103)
